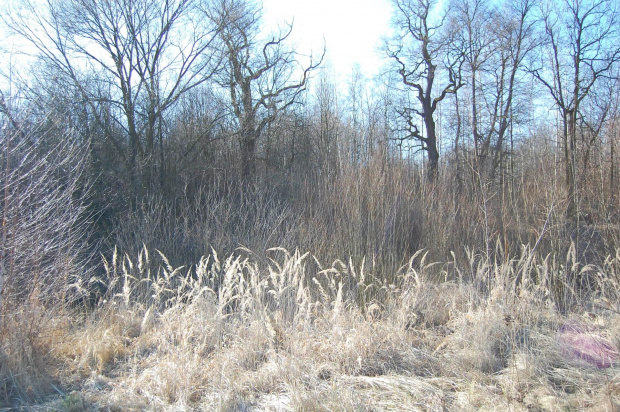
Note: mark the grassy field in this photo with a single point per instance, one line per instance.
(285, 332)
(199, 215)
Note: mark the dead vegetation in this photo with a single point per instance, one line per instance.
(271, 334)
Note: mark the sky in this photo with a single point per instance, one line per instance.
(351, 30)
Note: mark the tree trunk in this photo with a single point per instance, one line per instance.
(459, 178)
(248, 158)
(431, 146)
(569, 158)
(612, 173)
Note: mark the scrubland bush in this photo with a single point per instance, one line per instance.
(44, 261)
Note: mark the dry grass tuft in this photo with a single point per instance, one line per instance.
(285, 333)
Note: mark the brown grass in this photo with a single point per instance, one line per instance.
(293, 334)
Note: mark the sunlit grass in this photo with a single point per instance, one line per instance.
(284, 332)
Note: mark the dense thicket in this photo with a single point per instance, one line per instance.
(191, 126)
(187, 127)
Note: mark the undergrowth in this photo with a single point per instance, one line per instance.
(285, 331)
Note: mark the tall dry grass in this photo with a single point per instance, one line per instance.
(366, 322)
(383, 210)
(292, 333)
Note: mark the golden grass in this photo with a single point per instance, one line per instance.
(249, 333)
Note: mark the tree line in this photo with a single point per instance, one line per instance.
(163, 99)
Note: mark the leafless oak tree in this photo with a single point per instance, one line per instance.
(425, 60)
(261, 76)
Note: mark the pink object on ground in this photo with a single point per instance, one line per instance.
(580, 342)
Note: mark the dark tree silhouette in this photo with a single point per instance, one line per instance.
(262, 78)
(425, 60)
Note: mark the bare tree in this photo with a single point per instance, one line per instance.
(517, 41)
(496, 42)
(473, 18)
(327, 129)
(613, 138)
(130, 61)
(582, 40)
(425, 60)
(262, 78)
